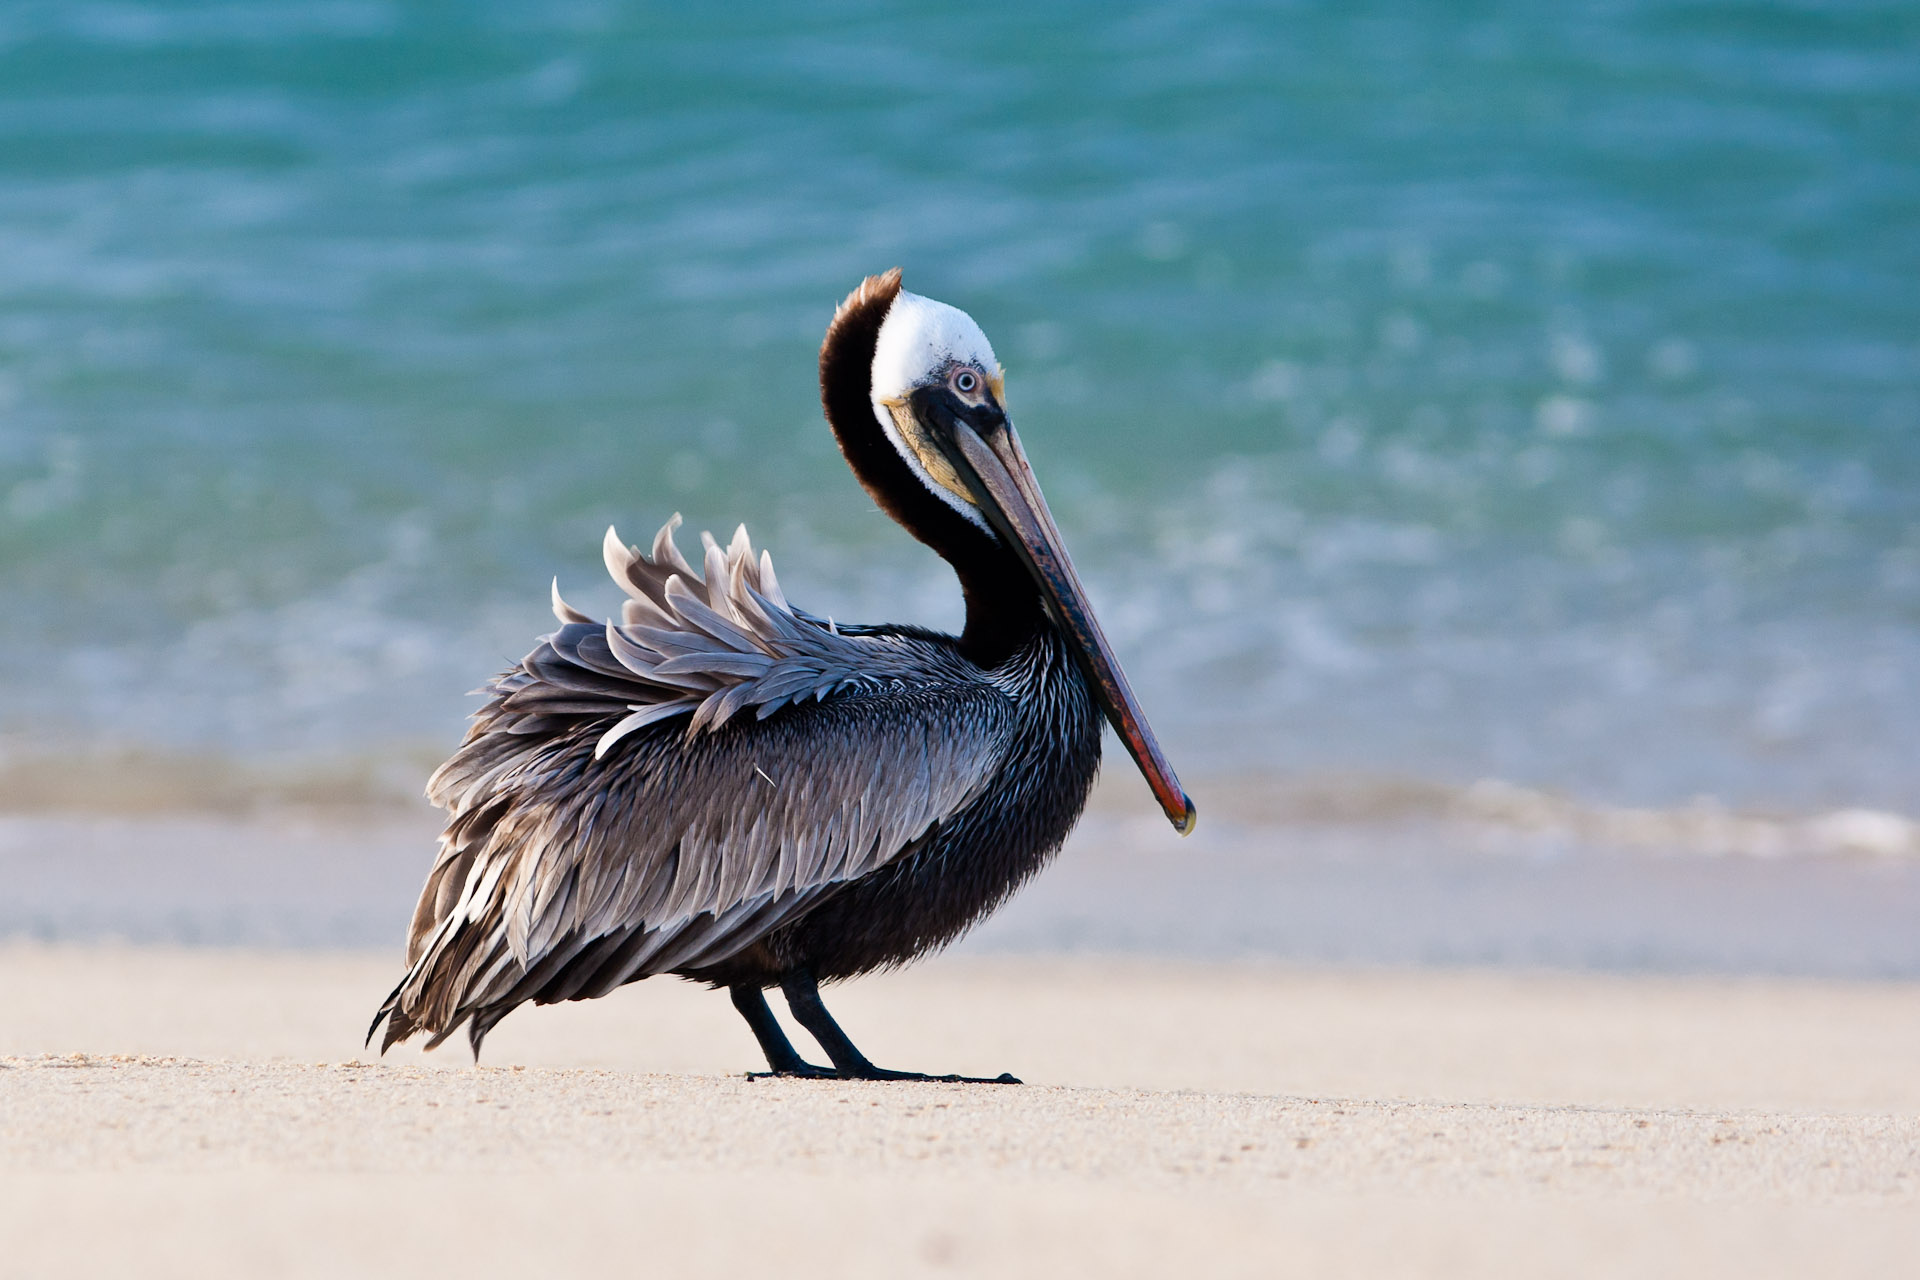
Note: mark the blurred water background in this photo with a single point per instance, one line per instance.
(1509, 403)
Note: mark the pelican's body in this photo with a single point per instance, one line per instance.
(723, 787)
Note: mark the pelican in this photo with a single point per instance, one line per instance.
(724, 787)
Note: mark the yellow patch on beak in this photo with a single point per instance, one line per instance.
(931, 459)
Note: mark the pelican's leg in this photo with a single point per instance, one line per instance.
(782, 1060)
(803, 997)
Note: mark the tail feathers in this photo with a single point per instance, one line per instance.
(399, 1026)
(402, 1025)
(453, 979)
(466, 981)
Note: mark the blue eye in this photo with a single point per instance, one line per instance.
(966, 382)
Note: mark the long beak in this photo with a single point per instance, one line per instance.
(1010, 497)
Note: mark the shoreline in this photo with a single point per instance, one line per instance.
(1406, 892)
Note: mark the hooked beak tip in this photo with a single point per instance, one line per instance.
(1185, 823)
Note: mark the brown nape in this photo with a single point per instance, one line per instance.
(1003, 604)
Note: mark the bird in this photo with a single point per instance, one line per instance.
(722, 786)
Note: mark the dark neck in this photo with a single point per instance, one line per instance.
(1003, 605)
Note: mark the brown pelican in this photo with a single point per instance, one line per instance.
(721, 786)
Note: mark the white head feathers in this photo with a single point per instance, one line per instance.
(920, 337)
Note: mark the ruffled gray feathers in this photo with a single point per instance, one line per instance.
(614, 813)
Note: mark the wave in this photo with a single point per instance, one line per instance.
(1497, 808)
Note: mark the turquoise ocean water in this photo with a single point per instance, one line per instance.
(1506, 391)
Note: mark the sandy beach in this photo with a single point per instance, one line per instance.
(210, 1113)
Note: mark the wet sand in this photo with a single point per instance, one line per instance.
(208, 1113)
(1310, 882)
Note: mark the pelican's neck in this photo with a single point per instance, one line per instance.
(1003, 604)
(1004, 612)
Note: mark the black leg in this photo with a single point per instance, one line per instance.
(803, 997)
(781, 1058)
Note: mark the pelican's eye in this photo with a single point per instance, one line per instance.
(966, 382)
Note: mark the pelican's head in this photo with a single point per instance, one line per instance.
(938, 397)
(933, 368)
